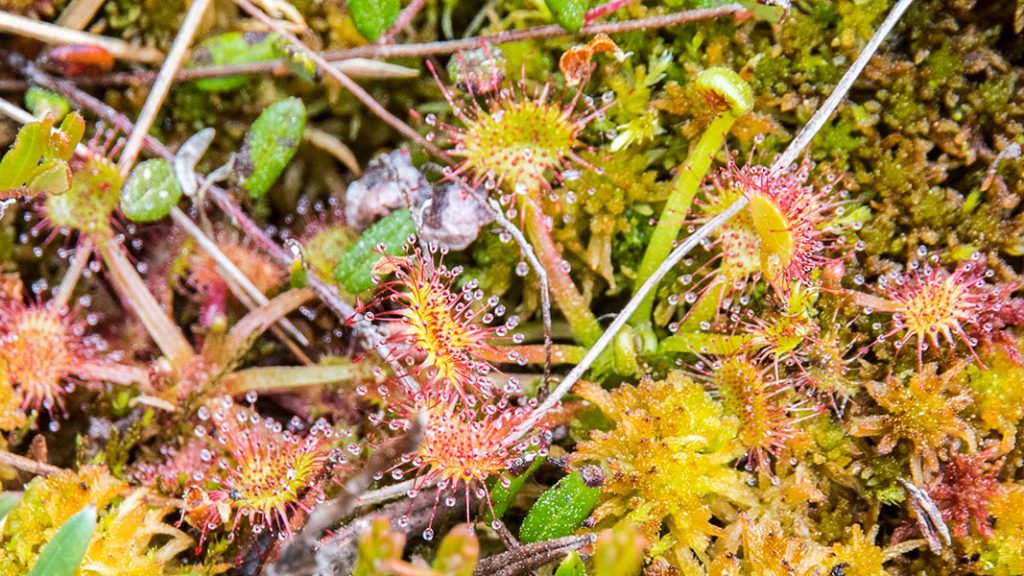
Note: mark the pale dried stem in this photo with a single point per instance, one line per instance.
(27, 464)
(73, 273)
(136, 295)
(795, 148)
(53, 34)
(157, 94)
(231, 272)
(333, 146)
(346, 82)
(79, 13)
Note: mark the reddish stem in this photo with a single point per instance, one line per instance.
(574, 307)
(605, 9)
(404, 19)
(346, 82)
(405, 50)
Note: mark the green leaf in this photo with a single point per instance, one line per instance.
(766, 12)
(373, 17)
(619, 551)
(8, 500)
(233, 48)
(151, 191)
(501, 497)
(377, 545)
(63, 142)
(21, 159)
(458, 553)
(270, 144)
(62, 555)
(355, 268)
(559, 510)
(298, 276)
(570, 14)
(53, 177)
(572, 566)
(41, 102)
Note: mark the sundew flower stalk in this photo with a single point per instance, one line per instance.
(730, 98)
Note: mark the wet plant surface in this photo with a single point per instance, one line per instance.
(452, 288)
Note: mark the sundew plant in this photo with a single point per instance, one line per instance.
(545, 287)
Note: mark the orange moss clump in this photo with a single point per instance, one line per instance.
(925, 412)
(667, 462)
(44, 507)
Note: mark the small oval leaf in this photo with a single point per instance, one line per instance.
(233, 48)
(355, 268)
(570, 14)
(502, 496)
(151, 191)
(270, 144)
(559, 510)
(373, 17)
(62, 555)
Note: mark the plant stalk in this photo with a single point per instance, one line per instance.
(161, 328)
(673, 215)
(584, 324)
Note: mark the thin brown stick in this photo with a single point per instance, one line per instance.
(158, 93)
(402, 50)
(27, 464)
(346, 82)
(550, 31)
(362, 68)
(74, 272)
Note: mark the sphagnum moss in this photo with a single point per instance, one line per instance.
(605, 168)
